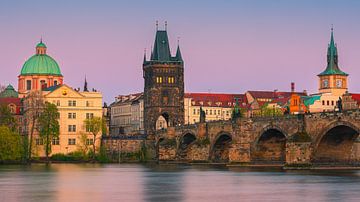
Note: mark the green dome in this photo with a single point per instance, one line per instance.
(40, 64)
(9, 92)
(41, 44)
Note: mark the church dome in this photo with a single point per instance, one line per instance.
(40, 63)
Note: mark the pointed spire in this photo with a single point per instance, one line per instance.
(165, 25)
(178, 52)
(85, 86)
(332, 58)
(144, 56)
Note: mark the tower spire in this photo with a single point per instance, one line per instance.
(178, 52)
(144, 56)
(332, 58)
(85, 85)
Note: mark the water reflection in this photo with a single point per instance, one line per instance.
(131, 182)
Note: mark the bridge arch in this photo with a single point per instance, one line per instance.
(335, 143)
(184, 146)
(270, 145)
(219, 151)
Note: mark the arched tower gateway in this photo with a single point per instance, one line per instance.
(38, 72)
(333, 80)
(164, 86)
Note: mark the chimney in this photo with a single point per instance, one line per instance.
(292, 87)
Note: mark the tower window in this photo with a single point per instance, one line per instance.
(55, 83)
(158, 79)
(28, 85)
(328, 103)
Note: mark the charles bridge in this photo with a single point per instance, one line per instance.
(319, 138)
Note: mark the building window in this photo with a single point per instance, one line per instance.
(159, 79)
(194, 111)
(210, 112)
(332, 102)
(206, 112)
(328, 103)
(39, 141)
(71, 141)
(71, 115)
(89, 115)
(323, 102)
(218, 112)
(71, 128)
(72, 103)
(55, 83)
(171, 79)
(28, 85)
(198, 111)
(55, 141)
(89, 141)
(57, 102)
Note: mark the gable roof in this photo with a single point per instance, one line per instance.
(53, 89)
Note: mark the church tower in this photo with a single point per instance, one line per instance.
(333, 80)
(164, 86)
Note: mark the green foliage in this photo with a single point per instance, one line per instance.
(49, 127)
(10, 145)
(265, 110)
(95, 125)
(7, 118)
(102, 157)
(71, 157)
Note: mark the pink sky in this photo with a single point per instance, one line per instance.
(227, 47)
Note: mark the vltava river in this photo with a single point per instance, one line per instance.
(133, 182)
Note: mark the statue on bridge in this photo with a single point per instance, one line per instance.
(339, 105)
(202, 115)
(236, 113)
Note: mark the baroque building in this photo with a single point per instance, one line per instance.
(42, 74)
(163, 86)
(38, 72)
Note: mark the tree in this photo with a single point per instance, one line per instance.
(10, 145)
(33, 106)
(95, 125)
(49, 126)
(7, 118)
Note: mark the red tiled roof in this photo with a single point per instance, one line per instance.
(355, 97)
(272, 94)
(217, 99)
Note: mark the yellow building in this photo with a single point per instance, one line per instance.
(216, 106)
(73, 107)
(41, 74)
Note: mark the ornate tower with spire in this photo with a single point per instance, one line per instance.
(164, 86)
(333, 80)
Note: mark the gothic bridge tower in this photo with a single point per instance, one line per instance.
(164, 86)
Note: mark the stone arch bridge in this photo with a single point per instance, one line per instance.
(321, 138)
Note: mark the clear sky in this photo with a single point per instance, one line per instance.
(228, 46)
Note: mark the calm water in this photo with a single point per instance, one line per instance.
(72, 182)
